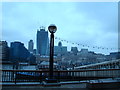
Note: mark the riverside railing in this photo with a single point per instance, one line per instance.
(64, 75)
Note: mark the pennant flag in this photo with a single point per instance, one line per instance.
(85, 45)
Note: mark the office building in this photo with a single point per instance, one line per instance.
(42, 41)
(30, 46)
(115, 55)
(18, 52)
(34, 51)
(74, 50)
(60, 50)
(4, 51)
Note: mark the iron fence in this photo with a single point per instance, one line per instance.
(62, 75)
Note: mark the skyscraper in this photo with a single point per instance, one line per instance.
(42, 41)
(4, 51)
(30, 46)
(18, 51)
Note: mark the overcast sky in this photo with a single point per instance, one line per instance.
(88, 23)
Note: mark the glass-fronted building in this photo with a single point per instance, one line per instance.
(4, 51)
(30, 46)
(18, 51)
(42, 41)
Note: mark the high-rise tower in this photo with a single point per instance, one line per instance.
(4, 51)
(42, 41)
(30, 46)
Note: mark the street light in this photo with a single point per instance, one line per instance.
(52, 29)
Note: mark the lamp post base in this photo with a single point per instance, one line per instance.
(51, 82)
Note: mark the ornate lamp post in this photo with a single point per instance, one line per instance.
(52, 29)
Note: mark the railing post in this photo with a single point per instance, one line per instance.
(58, 75)
(15, 76)
(40, 77)
(73, 75)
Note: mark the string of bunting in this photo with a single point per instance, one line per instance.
(80, 44)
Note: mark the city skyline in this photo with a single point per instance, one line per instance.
(94, 24)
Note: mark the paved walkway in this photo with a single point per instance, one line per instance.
(67, 82)
(38, 86)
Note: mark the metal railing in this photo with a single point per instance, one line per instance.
(64, 75)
